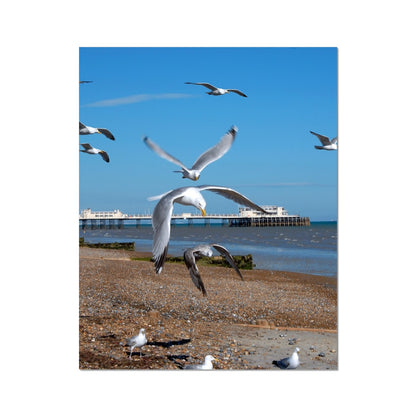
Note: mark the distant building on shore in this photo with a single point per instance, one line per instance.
(270, 209)
(87, 214)
(246, 217)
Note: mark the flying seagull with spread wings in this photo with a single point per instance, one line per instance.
(192, 254)
(93, 151)
(188, 195)
(216, 90)
(83, 129)
(203, 161)
(326, 143)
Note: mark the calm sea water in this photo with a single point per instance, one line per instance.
(310, 249)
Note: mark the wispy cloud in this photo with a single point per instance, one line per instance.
(138, 98)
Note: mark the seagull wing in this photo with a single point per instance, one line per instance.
(82, 126)
(223, 251)
(161, 217)
(104, 155)
(217, 151)
(158, 150)
(238, 92)
(107, 133)
(193, 367)
(86, 146)
(233, 195)
(334, 140)
(193, 270)
(324, 140)
(283, 363)
(85, 82)
(205, 84)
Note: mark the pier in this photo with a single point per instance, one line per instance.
(277, 217)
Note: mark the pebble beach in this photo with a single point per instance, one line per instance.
(243, 324)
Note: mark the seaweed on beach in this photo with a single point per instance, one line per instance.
(115, 245)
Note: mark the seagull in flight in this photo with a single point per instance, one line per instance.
(203, 161)
(136, 341)
(188, 195)
(326, 143)
(289, 363)
(216, 90)
(207, 365)
(192, 254)
(93, 151)
(83, 129)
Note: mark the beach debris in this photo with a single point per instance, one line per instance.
(192, 254)
(136, 341)
(289, 363)
(292, 341)
(211, 155)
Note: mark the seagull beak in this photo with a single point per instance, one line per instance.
(203, 212)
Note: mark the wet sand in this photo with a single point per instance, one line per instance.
(244, 324)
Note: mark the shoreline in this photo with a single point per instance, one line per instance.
(117, 298)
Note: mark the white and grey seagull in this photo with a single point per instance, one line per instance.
(207, 364)
(136, 341)
(216, 90)
(83, 129)
(203, 161)
(192, 254)
(93, 151)
(289, 363)
(326, 143)
(188, 195)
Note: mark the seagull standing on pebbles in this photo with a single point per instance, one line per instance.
(216, 90)
(191, 254)
(326, 143)
(188, 195)
(289, 363)
(93, 151)
(207, 365)
(83, 129)
(211, 155)
(137, 341)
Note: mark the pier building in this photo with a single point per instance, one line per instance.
(276, 217)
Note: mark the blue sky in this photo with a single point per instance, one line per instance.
(142, 91)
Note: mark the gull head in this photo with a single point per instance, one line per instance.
(200, 204)
(192, 174)
(141, 331)
(210, 358)
(297, 349)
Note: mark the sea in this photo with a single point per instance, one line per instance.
(305, 249)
